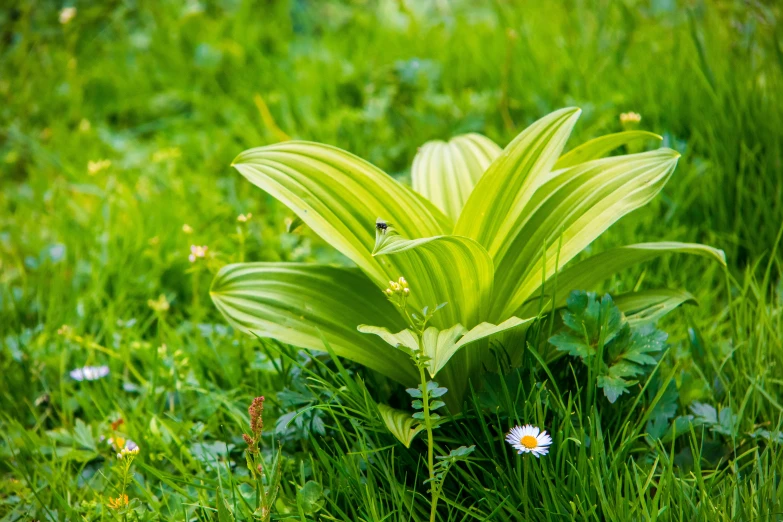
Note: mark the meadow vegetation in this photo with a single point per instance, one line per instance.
(130, 392)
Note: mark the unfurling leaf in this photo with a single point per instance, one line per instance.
(400, 424)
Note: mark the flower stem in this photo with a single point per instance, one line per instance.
(425, 399)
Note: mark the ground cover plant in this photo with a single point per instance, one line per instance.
(179, 344)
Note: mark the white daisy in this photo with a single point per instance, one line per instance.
(529, 439)
(90, 373)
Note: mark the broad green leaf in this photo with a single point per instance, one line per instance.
(441, 346)
(588, 273)
(497, 203)
(451, 269)
(446, 172)
(339, 196)
(569, 212)
(648, 306)
(299, 303)
(404, 339)
(400, 424)
(601, 146)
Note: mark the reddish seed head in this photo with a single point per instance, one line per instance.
(256, 411)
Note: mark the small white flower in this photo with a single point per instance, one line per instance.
(67, 14)
(197, 252)
(90, 373)
(529, 439)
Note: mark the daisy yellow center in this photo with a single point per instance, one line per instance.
(529, 441)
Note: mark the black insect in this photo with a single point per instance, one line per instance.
(381, 225)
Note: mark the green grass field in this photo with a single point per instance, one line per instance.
(119, 122)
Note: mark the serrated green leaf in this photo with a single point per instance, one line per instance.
(636, 348)
(417, 405)
(303, 304)
(588, 321)
(728, 422)
(82, 435)
(434, 405)
(400, 424)
(613, 386)
(681, 424)
(704, 413)
(310, 497)
(627, 351)
(445, 173)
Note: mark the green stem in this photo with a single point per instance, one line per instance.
(241, 234)
(425, 399)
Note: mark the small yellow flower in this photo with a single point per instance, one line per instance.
(187, 229)
(67, 14)
(94, 167)
(119, 502)
(403, 282)
(630, 117)
(65, 330)
(161, 304)
(166, 154)
(244, 218)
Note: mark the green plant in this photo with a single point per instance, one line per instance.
(421, 343)
(265, 475)
(508, 223)
(615, 353)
